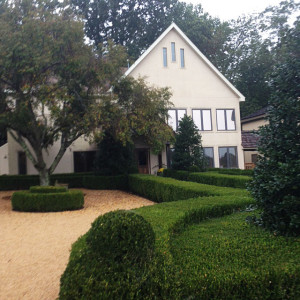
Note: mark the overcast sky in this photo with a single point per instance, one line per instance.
(232, 9)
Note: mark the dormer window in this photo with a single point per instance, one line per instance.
(173, 52)
(165, 57)
(182, 64)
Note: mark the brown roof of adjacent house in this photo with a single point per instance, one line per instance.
(257, 113)
(250, 139)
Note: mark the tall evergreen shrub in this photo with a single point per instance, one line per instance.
(276, 183)
(188, 153)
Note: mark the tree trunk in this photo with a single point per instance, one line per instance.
(44, 177)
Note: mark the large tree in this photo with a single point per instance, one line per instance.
(51, 80)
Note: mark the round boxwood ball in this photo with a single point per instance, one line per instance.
(121, 237)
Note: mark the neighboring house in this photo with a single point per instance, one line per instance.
(198, 89)
(250, 124)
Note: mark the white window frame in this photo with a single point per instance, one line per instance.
(176, 116)
(225, 119)
(201, 116)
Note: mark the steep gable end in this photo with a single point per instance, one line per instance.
(180, 58)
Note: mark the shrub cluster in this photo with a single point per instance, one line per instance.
(211, 178)
(236, 172)
(18, 182)
(115, 261)
(47, 202)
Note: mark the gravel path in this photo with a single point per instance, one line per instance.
(35, 247)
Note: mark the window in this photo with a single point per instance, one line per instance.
(228, 157)
(165, 57)
(225, 119)
(202, 119)
(84, 161)
(175, 115)
(209, 156)
(182, 58)
(254, 158)
(173, 51)
(22, 163)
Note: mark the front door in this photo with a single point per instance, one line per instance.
(142, 158)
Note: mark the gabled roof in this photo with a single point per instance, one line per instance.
(261, 112)
(190, 43)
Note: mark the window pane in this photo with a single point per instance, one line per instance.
(172, 118)
(180, 114)
(230, 118)
(209, 156)
(173, 51)
(223, 157)
(206, 119)
(221, 119)
(182, 57)
(165, 56)
(197, 118)
(232, 157)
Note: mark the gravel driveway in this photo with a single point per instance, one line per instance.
(35, 247)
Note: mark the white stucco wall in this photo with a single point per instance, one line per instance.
(194, 86)
(66, 164)
(4, 160)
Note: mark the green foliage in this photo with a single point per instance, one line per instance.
(138, 111)
(115, 262)
(235, 172)
(188, 150)
(276, 182)
(119, 182)
(211, 178)
(227, 259)
(18, 182)
(48, 78)
(47, 202)
(47, 189)
(161, 189)
(113, 158)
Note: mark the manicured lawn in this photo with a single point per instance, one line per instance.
(226, 258)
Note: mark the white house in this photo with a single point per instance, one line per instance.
(198, 89)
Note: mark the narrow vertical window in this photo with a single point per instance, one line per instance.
(173, 51)
(182, 58)
(209, 156)
(165, 57)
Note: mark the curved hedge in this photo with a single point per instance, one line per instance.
(47, 202)
(115, 261)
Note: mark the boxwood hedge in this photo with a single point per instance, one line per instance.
(47, 189)
(47, 202)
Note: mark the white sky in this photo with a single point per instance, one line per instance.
(232, 9)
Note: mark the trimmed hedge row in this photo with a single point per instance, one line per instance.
(232, 171)
(211, 178)
(74, 180)
(161, 189)
(47, 202)
(47, 189)
(119, 182)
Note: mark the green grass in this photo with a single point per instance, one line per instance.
(226, 258)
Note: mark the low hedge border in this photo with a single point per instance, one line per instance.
(212, 178)
(74, 180)
(161, 189)
(119, 182)
(47, 189)
(47, 202)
